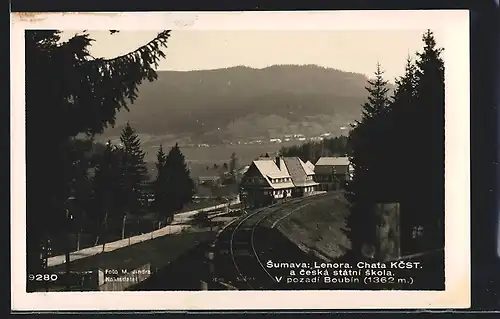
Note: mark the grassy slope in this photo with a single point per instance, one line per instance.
(320, 227)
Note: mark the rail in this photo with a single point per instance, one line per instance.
(266, 211)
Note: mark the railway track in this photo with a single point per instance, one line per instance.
(238, 258)
(244, 247)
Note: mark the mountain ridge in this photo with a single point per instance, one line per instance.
(208, 106)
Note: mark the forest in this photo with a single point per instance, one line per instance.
(70, 188)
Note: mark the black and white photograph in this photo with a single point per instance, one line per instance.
(168, 155)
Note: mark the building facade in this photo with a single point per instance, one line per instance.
(302, 177)
(271, 180)
(332, 173)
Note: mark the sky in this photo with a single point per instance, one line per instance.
(354, 51)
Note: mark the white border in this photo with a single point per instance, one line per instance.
(455, 26)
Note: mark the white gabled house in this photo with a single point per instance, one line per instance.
(269, 180)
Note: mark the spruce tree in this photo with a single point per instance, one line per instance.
(107, 191)
(402, 137)
(368, 157)
(406, 85)
(81, 95)
(233, 163)
(398, 154)
(378, 100)
(134, 171)
(161, 184)
(430, 92)
(180, 187)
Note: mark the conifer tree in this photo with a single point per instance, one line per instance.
(401, 136)
(367, 157)
(134, 170)
(80, 185)
(69, 92)
(430, 171)
(233, 163)
(161, 183)
(107, 191)
(406, 85)
(180, 187)
(378, 100)
(398, 155)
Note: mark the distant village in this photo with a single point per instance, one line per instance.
(276, 139)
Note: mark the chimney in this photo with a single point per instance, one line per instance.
(278, 162)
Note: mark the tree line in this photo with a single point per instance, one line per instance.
(120, 187)
(70, 93)
(312, 151)
(397, 151)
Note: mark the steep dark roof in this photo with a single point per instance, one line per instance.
(297, 171)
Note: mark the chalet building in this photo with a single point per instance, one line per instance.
(270, 180)
(302, 176)
(332, 172)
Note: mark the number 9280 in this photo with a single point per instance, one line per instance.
(43, 277)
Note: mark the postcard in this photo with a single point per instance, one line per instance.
(240, 160)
